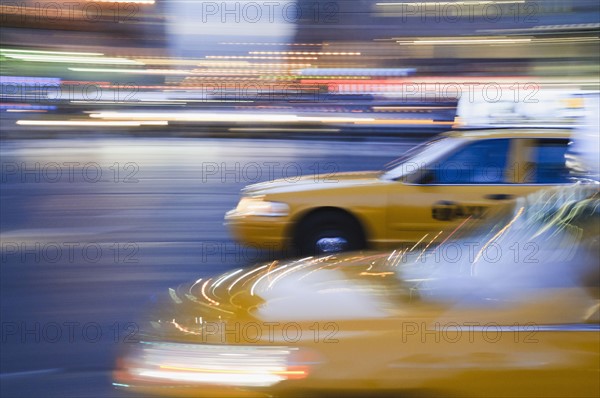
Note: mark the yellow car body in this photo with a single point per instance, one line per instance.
(423, 199)
(398, 323)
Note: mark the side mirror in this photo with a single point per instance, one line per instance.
(425, 177)
(419, 177)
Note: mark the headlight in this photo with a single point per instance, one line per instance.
(259, 207)
(225, 365)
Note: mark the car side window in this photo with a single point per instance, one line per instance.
(549, 161)
(482, 162)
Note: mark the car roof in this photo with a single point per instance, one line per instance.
(509, 133)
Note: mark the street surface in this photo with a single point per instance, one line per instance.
(93, 229)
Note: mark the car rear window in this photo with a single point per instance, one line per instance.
(550, 161)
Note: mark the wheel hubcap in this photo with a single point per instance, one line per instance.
(331, 245)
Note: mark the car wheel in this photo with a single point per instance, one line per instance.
(329, 232)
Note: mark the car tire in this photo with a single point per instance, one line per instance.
(328, 232)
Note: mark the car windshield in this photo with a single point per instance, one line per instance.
(418, 156)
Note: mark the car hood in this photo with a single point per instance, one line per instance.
(271, 290)
(356, 289)
(361, 287)
(315, 181)
(331, 288)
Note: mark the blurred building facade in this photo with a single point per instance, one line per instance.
(464, 37)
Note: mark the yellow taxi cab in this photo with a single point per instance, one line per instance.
(457, 180)
(401, 323)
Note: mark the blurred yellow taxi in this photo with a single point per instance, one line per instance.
(458, 180)
(401, 323)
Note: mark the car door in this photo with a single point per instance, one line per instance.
(468, 189)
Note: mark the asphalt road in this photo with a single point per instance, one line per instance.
(92, 229)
